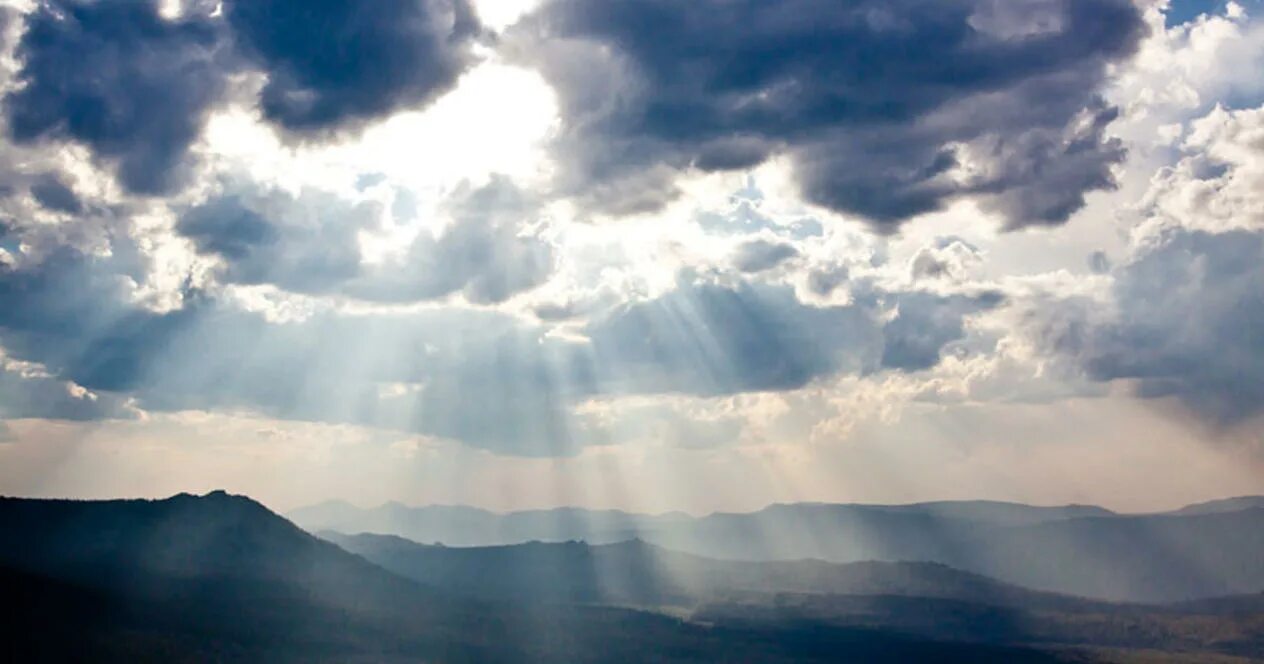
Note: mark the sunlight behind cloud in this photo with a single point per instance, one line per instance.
(493, 122)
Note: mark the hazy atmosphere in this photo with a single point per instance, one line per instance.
(621, 331)
(636, 254)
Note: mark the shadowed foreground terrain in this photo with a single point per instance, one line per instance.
(219, 577)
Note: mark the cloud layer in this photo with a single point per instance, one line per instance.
(191, 218)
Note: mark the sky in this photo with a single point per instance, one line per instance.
(641, 254)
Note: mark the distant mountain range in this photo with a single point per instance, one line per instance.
(1198, 551)
(642, 574)
(221, 578)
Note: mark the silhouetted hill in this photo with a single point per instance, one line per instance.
(155, 546)
(1218, 506)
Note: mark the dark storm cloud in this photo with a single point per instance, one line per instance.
(336, 62)
(877, 103)
(1191, 311)
(120, 79)
(136, 88)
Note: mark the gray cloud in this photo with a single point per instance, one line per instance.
(305, 244)
(1099, 262)
(1190, 311)
(118, 78)
(334, 62)
(825, 279)
(924, 324)
(760, 255)
(1187, 306)
(488, 253)
(477, 376)
(648, 88)
(946, 258)
(309, 244)
(136, 87)
(29, 394)
(709, 339)
(50, 192)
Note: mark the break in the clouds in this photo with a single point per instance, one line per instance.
(886, 110)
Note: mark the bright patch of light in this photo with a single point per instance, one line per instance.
(500, 14)
(495, 121)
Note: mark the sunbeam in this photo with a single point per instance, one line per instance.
(632, 330)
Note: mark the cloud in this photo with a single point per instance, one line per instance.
(305, 243)
(331, 63)
(886, 111)
(1099, 262)
(309, 243)
(1187, 326)
(711, 339)
(823, 280)
(477, 376)
(490, 252)
(924, 324)
(760, 255)
(33, 394)
(744, 217)
(50, 192)
(946, 258)
(1218, 183)
(1187, 305)
(120, 79)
